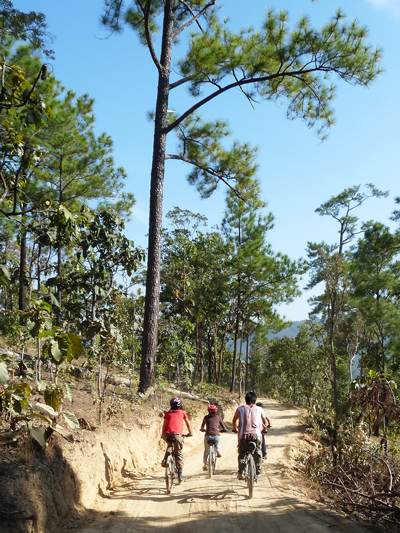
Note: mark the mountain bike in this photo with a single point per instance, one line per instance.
(212, 454)
(171, 470)
(250, 467)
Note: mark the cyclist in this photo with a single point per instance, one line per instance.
(211, 422)
(173, 427)
(249, 422)
(263, 445)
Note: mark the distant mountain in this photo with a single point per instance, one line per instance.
(288, 332)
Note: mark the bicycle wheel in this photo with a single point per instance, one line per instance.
(210, 461)
(169, 474)
(214, 460)
(251, 474)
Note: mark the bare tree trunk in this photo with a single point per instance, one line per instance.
(22, 264)
(240, 365)
(246, 379)
(235, 352)
(150, 326)
(38, 368)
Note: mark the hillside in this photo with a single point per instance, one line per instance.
(287, 332)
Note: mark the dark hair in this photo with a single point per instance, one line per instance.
(251, 397)
(259, 404)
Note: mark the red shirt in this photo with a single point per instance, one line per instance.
(173, 421)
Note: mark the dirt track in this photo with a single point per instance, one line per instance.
(221, 504)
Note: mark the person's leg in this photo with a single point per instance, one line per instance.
(217, 440)
(169, 449)
(264, 446)
(179, 456)
(242, 451)
(258, 458)
(206, 452)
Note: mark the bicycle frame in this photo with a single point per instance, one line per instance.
(212, 456)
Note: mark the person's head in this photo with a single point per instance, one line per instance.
(250, 398)
(259, 404)
(175, 403)
(212, 408)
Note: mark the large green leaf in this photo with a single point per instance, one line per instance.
(56, 353)
(46, 333)
(3, 373)
(4, 275)
(53, 397)
(71, 419)
(39, 434)
(76, 345)
(69, 391)
(47, 408)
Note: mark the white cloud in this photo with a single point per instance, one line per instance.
(388, 6)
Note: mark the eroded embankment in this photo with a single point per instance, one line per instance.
(64, 480)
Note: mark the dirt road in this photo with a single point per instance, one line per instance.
(221, 504)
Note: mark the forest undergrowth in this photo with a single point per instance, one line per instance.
(361, 477)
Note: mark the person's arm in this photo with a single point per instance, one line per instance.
(188, 426)
(234, 421)
(203, 424)
(264, 422)
(267, 419)
(221, 423)
(163, 426)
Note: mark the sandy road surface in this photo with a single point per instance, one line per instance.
(221, 504)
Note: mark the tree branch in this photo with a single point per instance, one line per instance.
(195, 17)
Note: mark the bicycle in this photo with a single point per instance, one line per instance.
(212, 455)
(250, 467)
(249, 470)
(171, 470)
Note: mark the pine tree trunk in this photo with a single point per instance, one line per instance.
(235, 349)
(22, 265)
(246, 379)
(150, 326)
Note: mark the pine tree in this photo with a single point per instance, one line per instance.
(275, 63)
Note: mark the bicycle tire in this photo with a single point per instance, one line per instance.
(251, 476)
(214, 459)
(169, 474)
(210, 461)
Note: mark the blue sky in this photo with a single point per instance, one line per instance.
(297, 171)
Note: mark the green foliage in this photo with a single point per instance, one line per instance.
(295, 370)
(373, 398)
(278, 63)
(60, 346)
(22, 26)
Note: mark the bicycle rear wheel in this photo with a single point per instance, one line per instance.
(169, 474)
(251, 474)
(210, 461)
